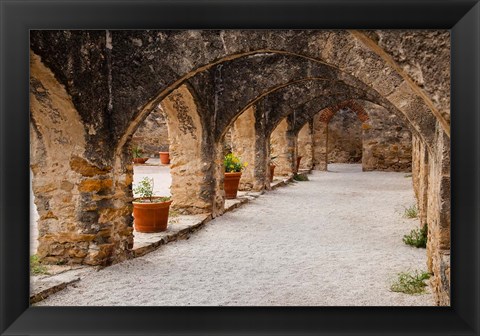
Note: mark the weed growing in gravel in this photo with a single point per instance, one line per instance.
(35, 267)
(417, 237)
(407, 175)
(411, 212)
(300, 177)
(410, 283)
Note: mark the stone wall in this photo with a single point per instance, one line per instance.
(431, 181)
(243, 145)
(282, 147)
(320, 137)
(152, 135)
(344, 138)
(305, 146)
(387, 142)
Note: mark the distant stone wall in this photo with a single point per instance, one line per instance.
(152, 135)
(344, 138)
(387, 142)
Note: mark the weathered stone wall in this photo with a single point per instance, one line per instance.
(438, 217)
(282, 146)
(190, 189)
(79, 220)
(420, 181)
(305, 146)
(152, 135)
(243, 145)
(387, 142)
(320, 138)
(425, 56)
(344, 138)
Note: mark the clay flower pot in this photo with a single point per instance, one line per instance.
(272, 170)
(150, 217)
(165, 157)
(230, 184)
(298, 162)
(140, 160)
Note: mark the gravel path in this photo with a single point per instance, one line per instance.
(335, 240)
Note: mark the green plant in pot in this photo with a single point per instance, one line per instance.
(233, 172)
(137, 154)
(150, 212)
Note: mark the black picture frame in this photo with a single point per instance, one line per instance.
(19, 16)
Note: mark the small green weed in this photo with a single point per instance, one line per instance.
(407, 175)
(417, 237)
(300, 177)
(35, 267)
(411, 212)
(173, 213)
(410, 282)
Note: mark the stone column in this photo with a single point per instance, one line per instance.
(283, 146)
(320, 142)
(189, 164)
(305, 146)
(82, 217)
(244, 144)
(438, 217)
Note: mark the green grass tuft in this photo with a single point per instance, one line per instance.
(411, 212)
(300, 177)
(36, 268)
(417, 237)
(410, 283)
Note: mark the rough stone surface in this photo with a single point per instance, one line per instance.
(387, 142)
(344, 138)
(152, 135)
(305, 146)
(281, 149)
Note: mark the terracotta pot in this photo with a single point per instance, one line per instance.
(140, 160)
(165, 157)
(272, 170)
(298, 162)
(151, 217)
(230, 184)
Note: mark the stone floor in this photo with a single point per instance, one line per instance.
(334, 240)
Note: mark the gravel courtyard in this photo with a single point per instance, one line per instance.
(335, 240)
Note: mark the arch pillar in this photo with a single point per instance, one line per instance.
(438, 217)
(283, 146)
(320, 142)
(249, 143)
(80, 219)
(189, 167)
(305, 146)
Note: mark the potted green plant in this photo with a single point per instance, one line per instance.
(137, 154)
(150, 212)
(233, 172)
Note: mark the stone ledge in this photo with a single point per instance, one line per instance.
(43, 286)
(179, 227)
(281, 182)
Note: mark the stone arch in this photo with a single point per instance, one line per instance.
(72, 195)
(327, 114)
(187, 162)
